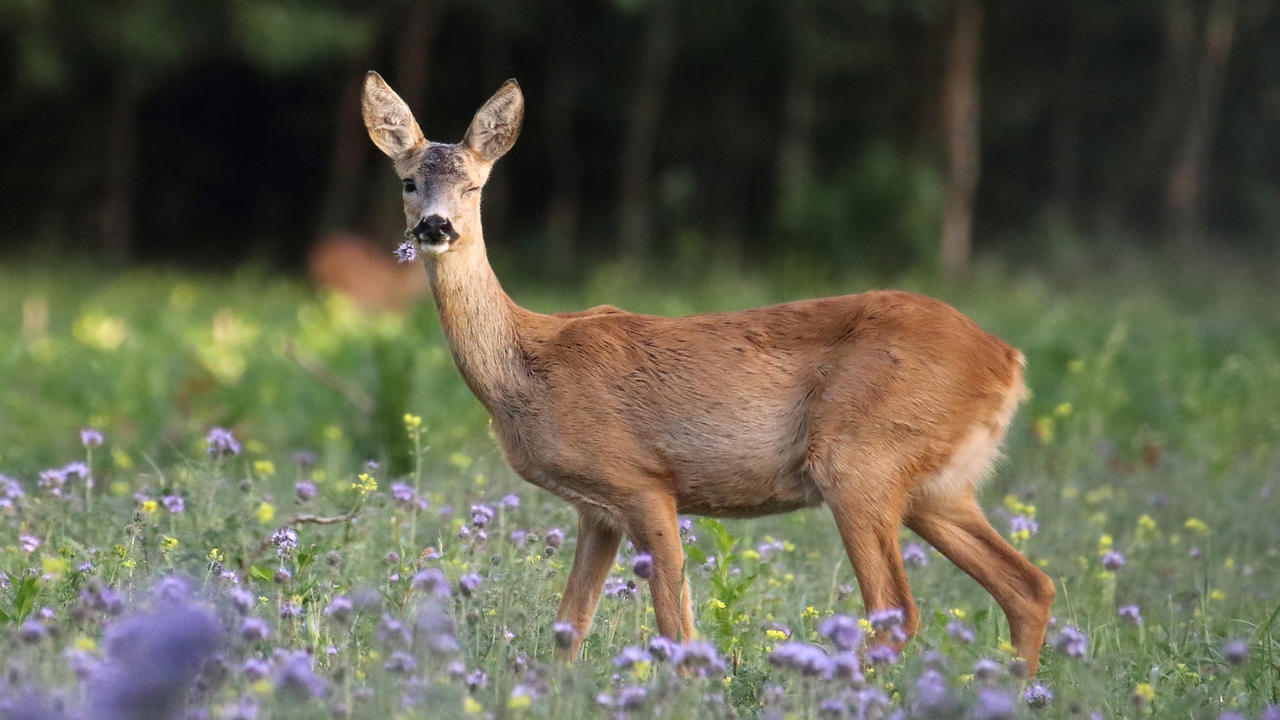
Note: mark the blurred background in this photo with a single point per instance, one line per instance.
(887, 136)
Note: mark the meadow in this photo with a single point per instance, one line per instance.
(236, 497)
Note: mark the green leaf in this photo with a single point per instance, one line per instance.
(695, 553)
(24, 599)
(260, 573)
(4, 617)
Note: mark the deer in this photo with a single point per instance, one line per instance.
(887, 406)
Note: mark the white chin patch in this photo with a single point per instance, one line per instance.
(435, 248)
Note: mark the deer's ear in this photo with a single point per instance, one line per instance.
(497, 123)
(390, 123)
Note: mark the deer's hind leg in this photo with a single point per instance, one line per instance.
(597, 546)
(866, 493)
(654, 528)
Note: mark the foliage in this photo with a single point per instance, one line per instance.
(1150, 433)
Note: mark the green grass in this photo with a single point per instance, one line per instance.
(1153, 404)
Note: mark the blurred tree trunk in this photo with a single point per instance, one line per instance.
(1189, 173)
(1064, 128)
(794, 164)
(566, 169)
(117, 208)
(346, 157)
(960, 127)
(638, 146)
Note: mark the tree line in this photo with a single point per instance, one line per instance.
(883, 133)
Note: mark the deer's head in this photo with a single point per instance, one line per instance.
(441, 181)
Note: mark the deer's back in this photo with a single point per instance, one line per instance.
(729, 408)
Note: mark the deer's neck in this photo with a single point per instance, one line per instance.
(481, 324)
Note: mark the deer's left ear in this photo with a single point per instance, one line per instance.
(387, 118)
(497, 123)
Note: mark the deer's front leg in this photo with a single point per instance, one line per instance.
(654, 528)
(597, 546)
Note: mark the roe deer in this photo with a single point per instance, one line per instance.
(887, 406)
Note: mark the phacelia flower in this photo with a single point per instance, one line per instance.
(631, 656)
(642, 566)
(882, 654)
(913, 556)
(510, 502)
(174, 504)
(481, 514)
(221, 443)
(993, 705)
(341, 609)
(90, 437)
(885, 619)
(468, 583)
(28, 543)
(554, 538)
(432, 581)
(1130, 614)
(1236, 652)
(286, 541)
(403, 494)
(406, 252)
(1112, 560)
(1037, 696)
(305, 490)
(1072, 641)
(841, 631)
(564, 634)
(957, 630)
(253, 629)
(1023, 526)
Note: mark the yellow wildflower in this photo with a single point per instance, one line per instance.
(366, 483)
(265, 513)
(1145, 691)
(809, 613)
(265, 468)
(471, 707)
(168, 542)
(412, 422)
(85, 644)
(149, 506)
(1197, 526)
(716, 604)
(1063, 409)
(519, 702)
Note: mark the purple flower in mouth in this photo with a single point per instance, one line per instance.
(1130, 614)
(90, 437)
(1037, 696)
(221, 443)
(1113, 560)
(406, 252)
(642, 566)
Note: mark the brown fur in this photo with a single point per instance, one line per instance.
(357, 268)
(887, 406)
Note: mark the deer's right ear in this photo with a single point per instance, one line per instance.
(387, 118)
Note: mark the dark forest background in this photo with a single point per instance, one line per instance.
(870, 133)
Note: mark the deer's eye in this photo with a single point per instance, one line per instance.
(409, 185)
(470, 190)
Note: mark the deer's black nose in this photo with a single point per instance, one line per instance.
(434, 229)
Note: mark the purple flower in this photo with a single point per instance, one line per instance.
(253, 629)
(993, 705)
(768, 549)
(1236, 652)
(1229, 715)
(882, 654)
(293, 673)
(305, 490)
(90, 438)
(807, 659)
(32, 631)
(174, 504)
(392, 632)
(150, 661)
(400, 662)
(620, 589)
(686, 530)
(1072, 641)
(255, 669)
(642, 566)
(509, 502)
(932, 696)
(28, 543)
(468, 583)
(1129, 613)
(341, 609)
(631, 656)
(172, 590)
(885, 619)
(1112, 560)
(286, 541)
(52, 480)
(1037, 696)
(957, 630)
(406, 252)
(1019, 523)
(481, 514)
(913, 556)
(221, 443)
(431, 581)
(477, 680)
(242, 599)
(403, 494)
(564, 634)
(842, 631)
(666, 649)
(518, 537)
(1270, 712)
(554, 538)
(702, 658)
